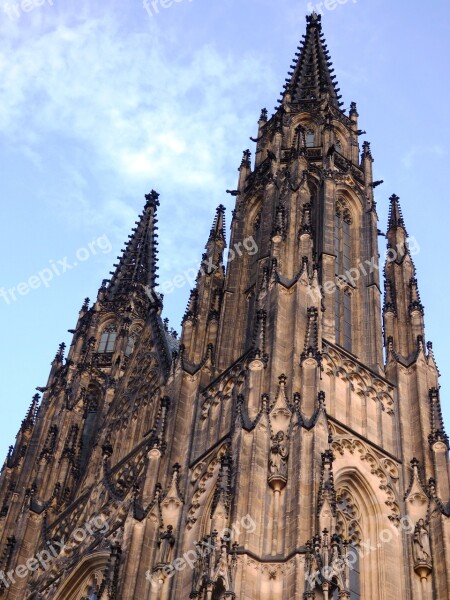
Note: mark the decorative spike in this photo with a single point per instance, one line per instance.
(306, 219)
(279, 226)
(327, 490)
(437, 422)
(415, 303)
(389, 297)
(28, 422)
(312, 336)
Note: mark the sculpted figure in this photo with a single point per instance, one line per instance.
(166, 543)
(279, 453)
(421, 543)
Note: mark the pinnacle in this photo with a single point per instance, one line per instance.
(217, 232)
(28, 422)
(395, 219)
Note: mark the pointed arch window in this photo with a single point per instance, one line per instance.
(131, 343)
(310, 138)
(343, 253)
(348, 527)
(354, 576)
(108, 340)
(355, 572)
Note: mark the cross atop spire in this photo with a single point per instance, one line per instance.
(137, 266)
(311, 75)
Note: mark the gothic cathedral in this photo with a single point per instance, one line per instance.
(290, 443)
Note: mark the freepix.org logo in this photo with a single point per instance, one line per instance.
(190, 558)
(152, 7)
(44, 558)
(56, 268)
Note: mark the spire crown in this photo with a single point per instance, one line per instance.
(395, 219)
(137, 266)
(217, 232)
(311, 78)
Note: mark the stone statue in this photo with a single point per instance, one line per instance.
(421, 543)
(166, 543)
(279, 453)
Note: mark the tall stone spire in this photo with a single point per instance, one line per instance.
(137, 266)
(201, 319)
(311, 75)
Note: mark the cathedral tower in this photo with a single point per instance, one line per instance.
(290, 444)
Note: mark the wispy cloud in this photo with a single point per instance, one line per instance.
(410, 157)
(114, 114)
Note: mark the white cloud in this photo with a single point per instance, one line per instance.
(125, 112)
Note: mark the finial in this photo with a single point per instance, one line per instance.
(263, 116)
(414, 463)
(353, 111)
(60, 354)
(314, 19)
(246, 159)
(282, 379)
(366, 150)
(152, 199)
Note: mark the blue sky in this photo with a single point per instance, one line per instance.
(100, 104)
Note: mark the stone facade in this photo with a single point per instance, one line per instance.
(274, 450)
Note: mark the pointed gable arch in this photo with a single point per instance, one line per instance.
(88, 574)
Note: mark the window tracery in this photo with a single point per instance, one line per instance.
(108, 340)
(343, 254)
(348, 527)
